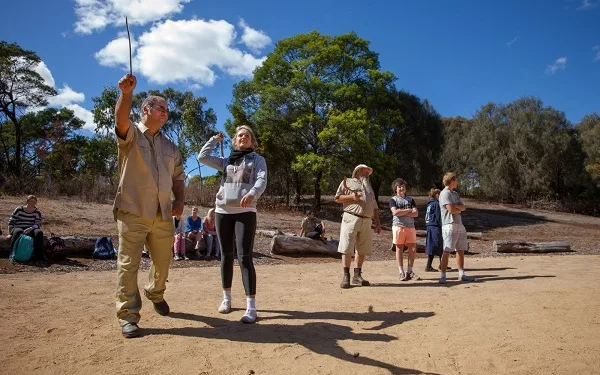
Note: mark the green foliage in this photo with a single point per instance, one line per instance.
(589, 133)
(21, 89)
(515, 152)
(312, 105)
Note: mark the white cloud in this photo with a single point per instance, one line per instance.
(588, 4)
(187, 51)
(559, 64)
(597, 50)
(66, 97)
(116, 52)
(95, 15)
(84, 114)
(256, 40)
(511, 42)
(43, 71)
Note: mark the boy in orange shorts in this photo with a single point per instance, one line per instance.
(404, 210)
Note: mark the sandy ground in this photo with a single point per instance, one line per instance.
(524, 315)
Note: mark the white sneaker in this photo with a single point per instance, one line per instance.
(249, 316)
(225, 307)
(176, 257)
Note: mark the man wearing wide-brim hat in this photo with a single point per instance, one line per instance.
(360, 208)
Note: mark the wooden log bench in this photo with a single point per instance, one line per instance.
(502, 246)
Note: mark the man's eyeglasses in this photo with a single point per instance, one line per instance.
(160, 108)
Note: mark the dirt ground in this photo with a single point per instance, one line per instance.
(524, 315)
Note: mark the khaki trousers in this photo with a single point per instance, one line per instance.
(134, 232)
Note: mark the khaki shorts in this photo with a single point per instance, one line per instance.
(355, 234)
(455, 237)
(404, 235)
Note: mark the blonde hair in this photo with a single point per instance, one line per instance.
(252, 135)
(30, 197)
(207, 218)
(448, 178)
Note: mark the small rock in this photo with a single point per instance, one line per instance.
(356, 354)
(370, 309)
(250, 372)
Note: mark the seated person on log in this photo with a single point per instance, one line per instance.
(312, 227)
(26, 220)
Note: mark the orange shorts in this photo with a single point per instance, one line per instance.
(404, 235)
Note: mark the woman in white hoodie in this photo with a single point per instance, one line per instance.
(244, 180)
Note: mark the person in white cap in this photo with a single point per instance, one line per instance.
(360, 208)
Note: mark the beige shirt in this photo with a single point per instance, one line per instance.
(366, 204)
(148, 165)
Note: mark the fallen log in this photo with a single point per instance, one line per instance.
(531, 247)
(271, 233)
(83, 246)
(290, 245)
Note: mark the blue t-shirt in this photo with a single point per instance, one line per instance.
(193, 225)
(403, 204)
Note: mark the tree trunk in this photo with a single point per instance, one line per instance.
(298, 186)
(17, 166)
(318, 177)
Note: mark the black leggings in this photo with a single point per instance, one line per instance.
(38, 241)
(242, 227)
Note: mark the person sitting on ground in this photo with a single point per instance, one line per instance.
(209, 232)
(312, 227)
(179, 239)
(193, 230)
(27, 220)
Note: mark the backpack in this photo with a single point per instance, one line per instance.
(22, 250)
(55, 249)
(104, 249)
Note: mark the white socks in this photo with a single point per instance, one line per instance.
(250, 314)
(401, 270)
(461, 273)
(225, 307)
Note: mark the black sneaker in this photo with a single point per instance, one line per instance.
(162, 307)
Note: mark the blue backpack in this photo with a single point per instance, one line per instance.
(22, 250)
(104, 249)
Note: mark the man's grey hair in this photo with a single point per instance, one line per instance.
(150, 101)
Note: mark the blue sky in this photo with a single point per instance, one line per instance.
(458, 55)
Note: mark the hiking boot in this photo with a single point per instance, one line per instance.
(162, 307)
(130, 330)
(358, 279)
(345, 281)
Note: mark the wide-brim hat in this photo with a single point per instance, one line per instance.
(361, 166)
